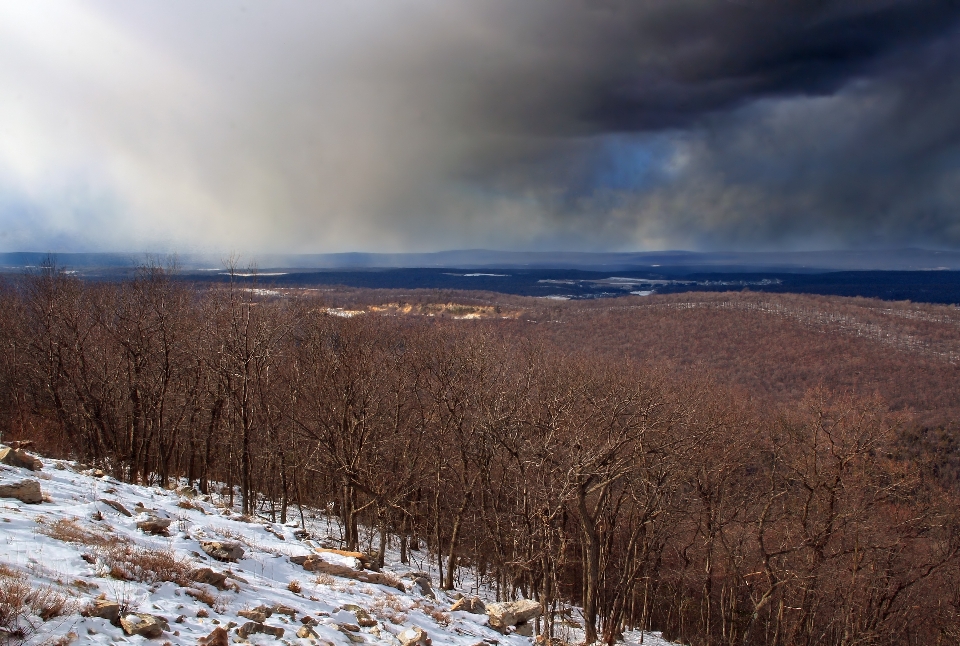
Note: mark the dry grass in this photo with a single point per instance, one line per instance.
(22, 604)
(294, 587)
(324, 579)
(69, 530)
(215, 601)
(127, 562)
(389, 608)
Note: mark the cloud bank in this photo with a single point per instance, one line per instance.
(382, 125)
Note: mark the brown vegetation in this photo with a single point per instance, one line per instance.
(729, 469)
(23, 606)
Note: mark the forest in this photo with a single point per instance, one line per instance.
(725, 468)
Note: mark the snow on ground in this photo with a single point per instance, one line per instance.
(66, 543)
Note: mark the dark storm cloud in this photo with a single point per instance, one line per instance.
(425, 124)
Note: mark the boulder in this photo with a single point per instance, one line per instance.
(472, 605)
(27, 491)
(306, 632)
(208, 576)
(422, 581)
(363, 617)
(258, 616)
(218, 637)
(511, 613)
(154, 525)
(19, 458)
(365, 560)
(281, 609)
(116, 506)
(414, 636)
(317, 564)
(104, 609)
(253, 627)
(223, 550)
(142, 624)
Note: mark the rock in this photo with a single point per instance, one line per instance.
(414, 636)
(116, 506)
(105, 610)
(253, 627)
(208, 576)
(223, 550)
(218, 637)
(19, 458)
(365, 560)
(301, 534)
(281, 609)
(363, 617)
(306, 632)
(153, 524)
(307, 620)
(511, 613)
(253, 615)
(143, 624)
(27, 491)
(525, 629)
(472, 605)
(235, 577)
(317, 564)
(422, 581)
(351, 628)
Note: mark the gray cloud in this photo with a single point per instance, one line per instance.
(299, 126)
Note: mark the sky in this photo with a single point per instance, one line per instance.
(308, 126)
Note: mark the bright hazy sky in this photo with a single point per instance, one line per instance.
(379, 125)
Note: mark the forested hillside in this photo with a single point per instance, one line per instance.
(725, 468)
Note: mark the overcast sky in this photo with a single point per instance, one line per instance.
(380, 125)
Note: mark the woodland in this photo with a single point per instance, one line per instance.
(731, 468)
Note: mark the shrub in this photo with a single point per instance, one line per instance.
(68, 531)
(23, 607)
(130, 563)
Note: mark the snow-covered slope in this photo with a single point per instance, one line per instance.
(75, 549)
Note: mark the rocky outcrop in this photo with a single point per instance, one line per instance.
(142, 624)
(27, 491)
(259, 615)
(421, 580)
(219, 637)
(19, 458)
(223, 550)
(116, 506)
(209, 577)
(472, 605)
(365, 560)
(364, 620)
(414, 636)
(104, 609)
(317, 564)
(254, 627)
(154, 525)
(512, 613)
(306, 632)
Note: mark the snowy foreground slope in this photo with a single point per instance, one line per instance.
(80, 555)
